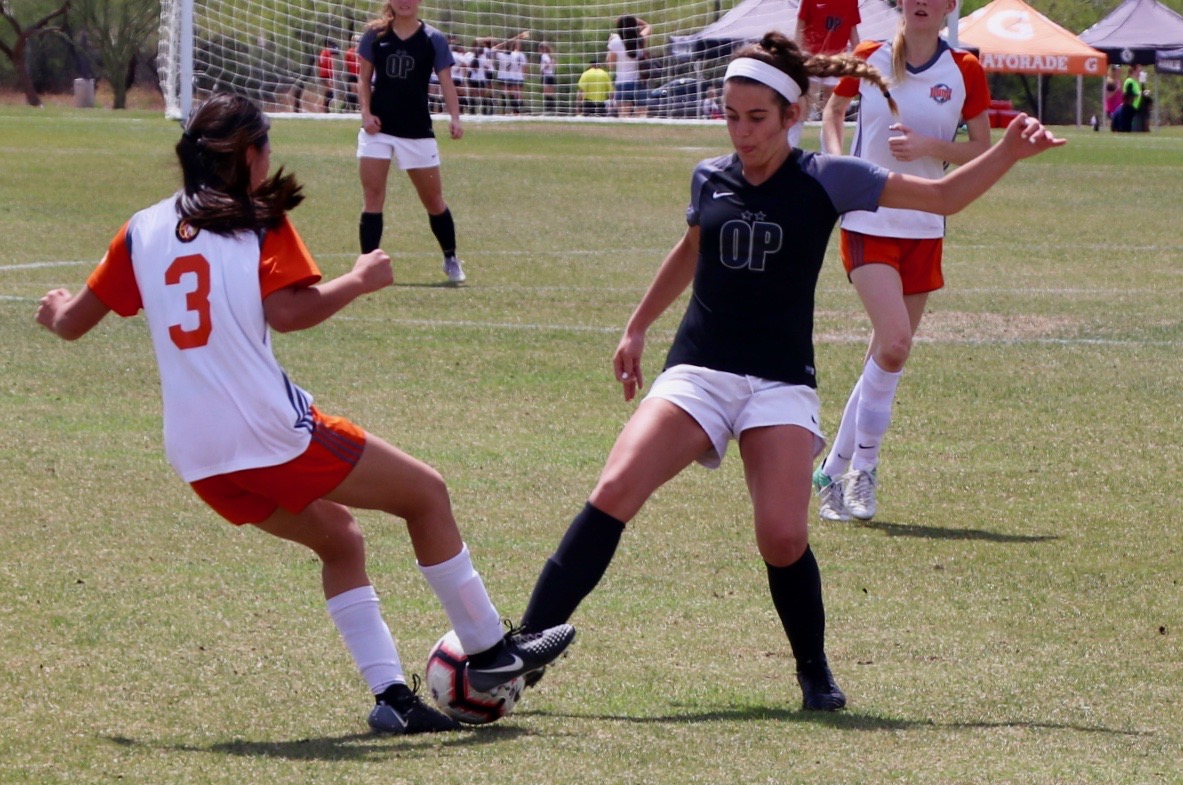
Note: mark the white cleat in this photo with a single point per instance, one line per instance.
(860, 494)
(832, 505)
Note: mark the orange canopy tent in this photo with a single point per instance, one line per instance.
(1012, 37)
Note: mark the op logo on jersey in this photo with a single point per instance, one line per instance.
(399, 65)
(748, 241)
(186, 232)
(941, 93)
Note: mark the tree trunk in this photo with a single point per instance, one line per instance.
(24, 78)
(119, 91)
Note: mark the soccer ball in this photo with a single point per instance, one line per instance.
(447, 678)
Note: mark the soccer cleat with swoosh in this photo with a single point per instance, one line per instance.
(518, 654)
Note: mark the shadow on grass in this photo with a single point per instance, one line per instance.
(840, 720)
(946, 533)
(349, 747)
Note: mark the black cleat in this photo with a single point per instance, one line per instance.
(819, 691)
(399, 710)
(534, 676)
(518, 653)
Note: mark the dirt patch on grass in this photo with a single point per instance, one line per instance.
(954, 327)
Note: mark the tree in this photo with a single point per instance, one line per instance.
(16, 51)
(117, 29)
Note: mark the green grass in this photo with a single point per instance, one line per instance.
(1014, 615)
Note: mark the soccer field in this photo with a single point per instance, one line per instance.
(1014, 614)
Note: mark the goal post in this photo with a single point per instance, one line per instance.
(293, 55)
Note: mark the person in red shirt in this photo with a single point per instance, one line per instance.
(824, 27)
(327, 68)
(352, 69)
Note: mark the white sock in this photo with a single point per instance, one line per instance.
(359, 620)
(838, 461)
(460, 590)
(874, 413)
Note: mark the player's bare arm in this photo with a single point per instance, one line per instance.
(301, 307)
(70, 317)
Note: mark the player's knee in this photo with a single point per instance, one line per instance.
(616, 496)
(343, 540)
(782, 545)
(428, 496)
(893, 352)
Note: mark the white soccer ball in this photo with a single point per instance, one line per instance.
(447, 678)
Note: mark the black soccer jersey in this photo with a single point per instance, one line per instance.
(761, 248)
(402, 71)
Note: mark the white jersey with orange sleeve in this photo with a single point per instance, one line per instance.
(933, 100)
(228, 405)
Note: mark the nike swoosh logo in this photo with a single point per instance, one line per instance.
(399, 717)
(513, 666)
(866, 446)
(721, 194)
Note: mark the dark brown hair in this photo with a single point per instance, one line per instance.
(779, 51)
(217, 194)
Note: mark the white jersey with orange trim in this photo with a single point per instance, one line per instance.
(228, 405)
(933, 100)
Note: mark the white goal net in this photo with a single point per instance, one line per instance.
(293, 56)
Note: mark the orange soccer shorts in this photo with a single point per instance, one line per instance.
(252, 495)
(918, 261)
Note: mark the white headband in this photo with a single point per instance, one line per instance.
(765, 74)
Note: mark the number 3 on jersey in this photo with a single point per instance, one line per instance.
(196, 300)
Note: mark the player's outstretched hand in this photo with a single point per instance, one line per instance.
(1026, 137)
(374, 271)
(626, 363)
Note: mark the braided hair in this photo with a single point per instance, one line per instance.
(216, 194)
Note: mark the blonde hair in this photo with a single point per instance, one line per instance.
(385, 20)
(781, 52)
(899, 55)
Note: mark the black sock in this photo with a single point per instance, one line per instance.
(573, 571)
(444, 230)
(487, 657)
(369, 231)
(797, 596)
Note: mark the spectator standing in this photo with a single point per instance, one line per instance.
(626, 51)
(352, 69)
(1131, 99)
(328, 67)
(511, 72)
(593, 89)
(1113, 96)
(548, 73)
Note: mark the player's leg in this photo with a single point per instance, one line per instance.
(387, 479)
(373, 173)
(777, 462)
(429, 186)
(331, 531)
(894, 319)
(659, 440)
